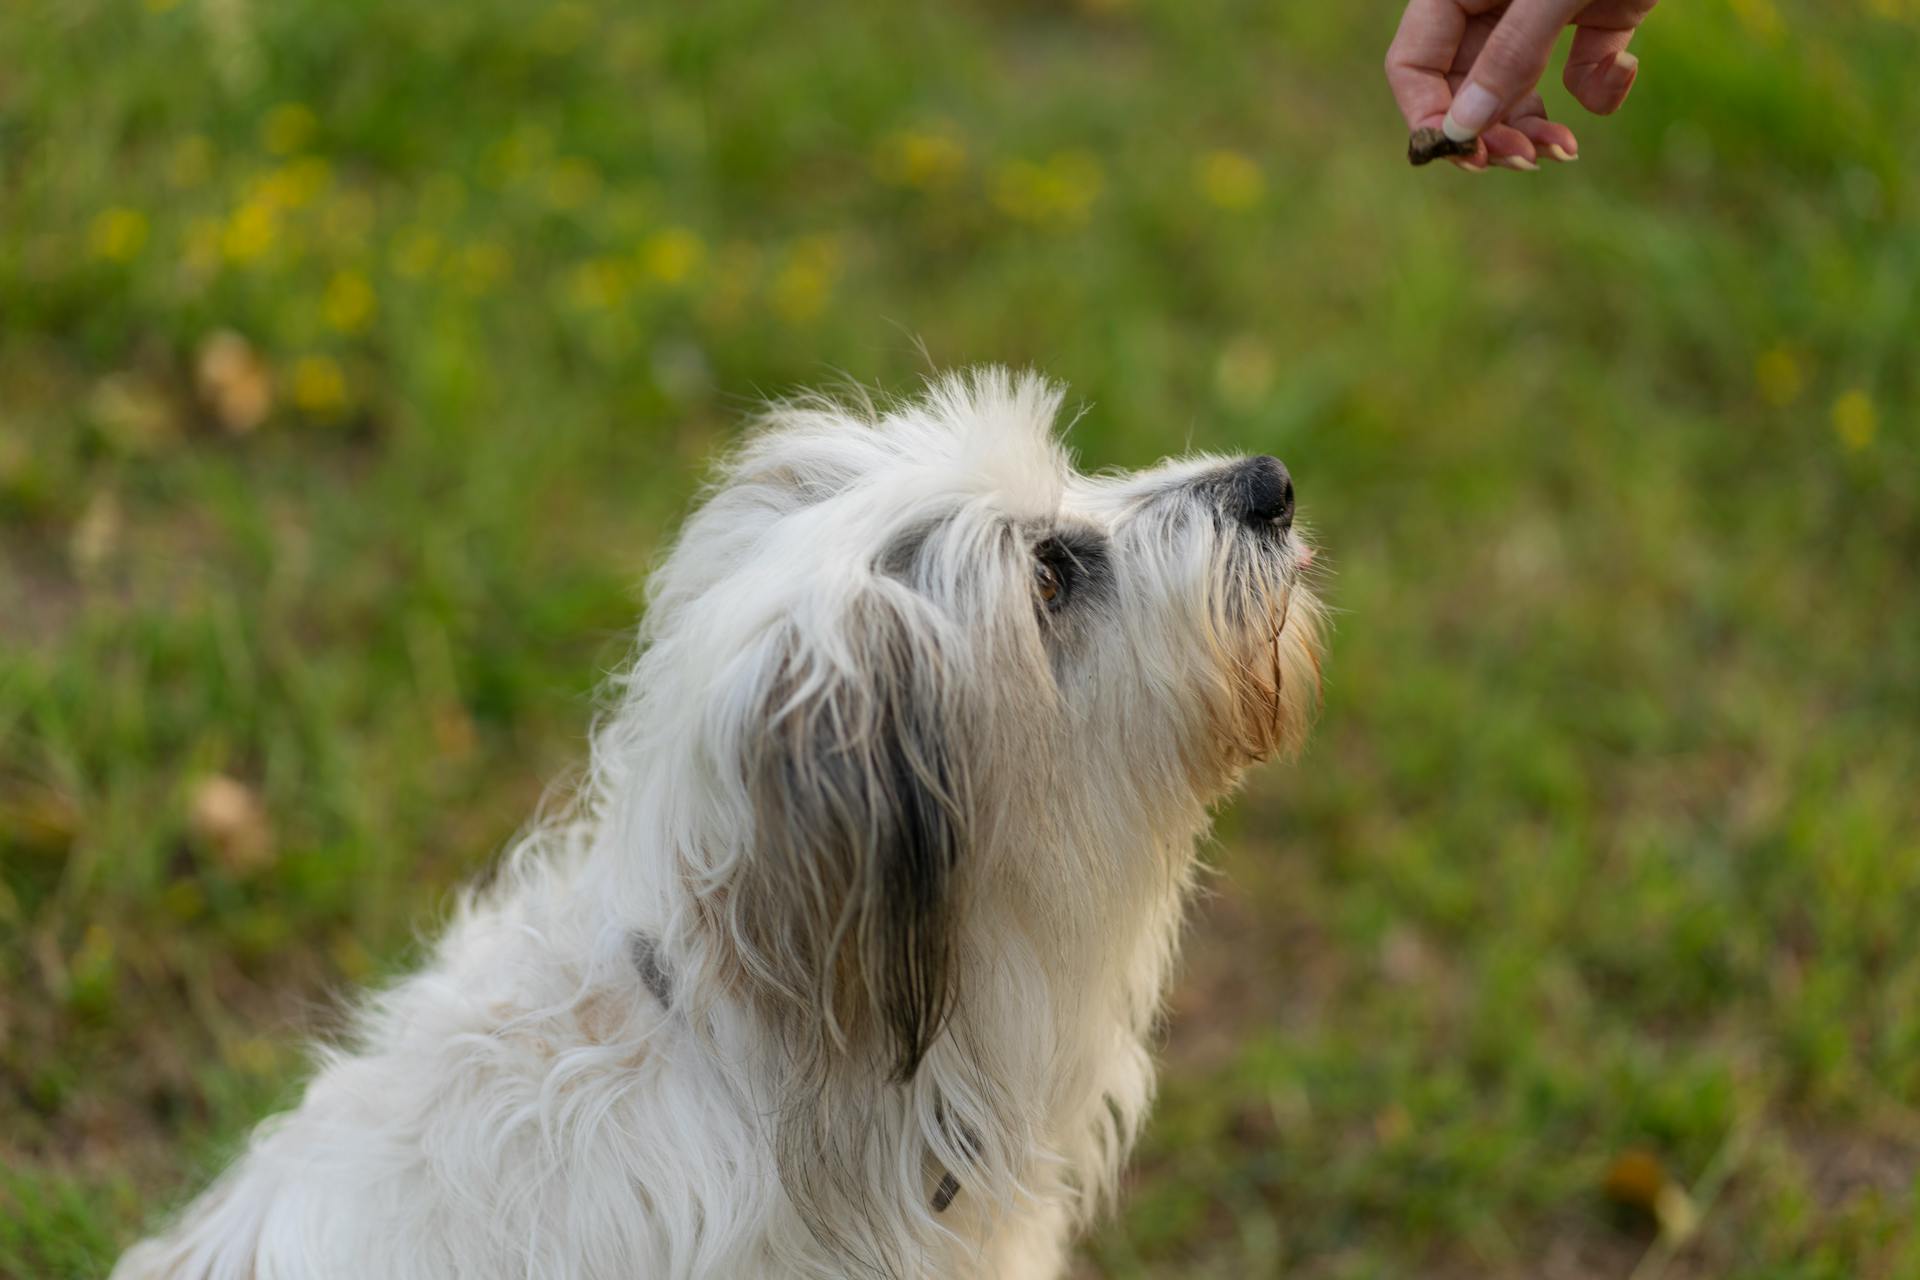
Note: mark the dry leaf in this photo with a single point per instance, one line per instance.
(96, 533)
(133, 413)
(1635, 1179)
(234, 382)
(1676, 1213)
(1405, 958)
(38, 821)
(1640, 1181)
(230, 819)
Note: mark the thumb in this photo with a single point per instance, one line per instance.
(1511, 64)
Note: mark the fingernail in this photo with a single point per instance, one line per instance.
(1520, 164)
(1473, 110)
(1624, 62)
(1560, 153)
(1468, 166)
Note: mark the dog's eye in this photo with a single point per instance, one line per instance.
(1047, 579)
(1050, 574)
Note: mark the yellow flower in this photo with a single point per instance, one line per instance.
(319, 387)
(118, 234)
(514, 156)
(251, 231)
(1229, 179)
(571, 184)
(288, 127)
(1779, 376)
(803, 284)
(349, 303)
(1856, 419)
(672, 255)
(1059, 192)
(922, 160)
(292, 185)
(598, 283)
(1759, 17)
(202, 251)
(190, 161)
(414, 254)
(480, 267)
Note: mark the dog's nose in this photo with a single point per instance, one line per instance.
(1260, 492)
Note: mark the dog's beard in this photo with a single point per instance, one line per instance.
(1269, 622)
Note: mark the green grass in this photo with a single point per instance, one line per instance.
(1609, 840)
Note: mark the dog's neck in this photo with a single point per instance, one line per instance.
(1045, 1061)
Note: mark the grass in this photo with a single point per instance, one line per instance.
(1604, 868)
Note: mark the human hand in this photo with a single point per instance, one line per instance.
(1472, 68)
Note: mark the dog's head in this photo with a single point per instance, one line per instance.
(927, 681)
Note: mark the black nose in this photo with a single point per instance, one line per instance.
(1260, 492)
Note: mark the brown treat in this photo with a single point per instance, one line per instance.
(1428, 145)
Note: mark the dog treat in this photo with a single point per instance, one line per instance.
(1428, 145)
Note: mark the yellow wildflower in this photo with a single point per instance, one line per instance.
(201, 256)
(1779, 376)
(251, 231)
(599, 283)
(414, 254)
(288, 127)
(514, 156)
(1229, 179)
(1059, 192)
(118, 234)
(672, 255)
(349, 303)
(480, 267)
(924, 160)
(293, 185)
(319, 387)
(1759, 17)
(1856, 419)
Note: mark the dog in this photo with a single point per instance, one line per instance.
(847, 958)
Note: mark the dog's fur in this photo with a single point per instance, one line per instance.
(848, 959)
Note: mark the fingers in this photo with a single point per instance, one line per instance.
(1509, 148)
(1420, 57)
(1551, 141)
(1600, 72)
(1510, 66)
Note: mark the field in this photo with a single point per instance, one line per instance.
(356, 356)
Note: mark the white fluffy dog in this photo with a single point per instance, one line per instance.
(848, 960)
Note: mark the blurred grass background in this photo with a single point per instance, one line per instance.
(356, 355)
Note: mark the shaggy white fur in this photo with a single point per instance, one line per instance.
(846, 960)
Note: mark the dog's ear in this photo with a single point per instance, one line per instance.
(844, 905)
